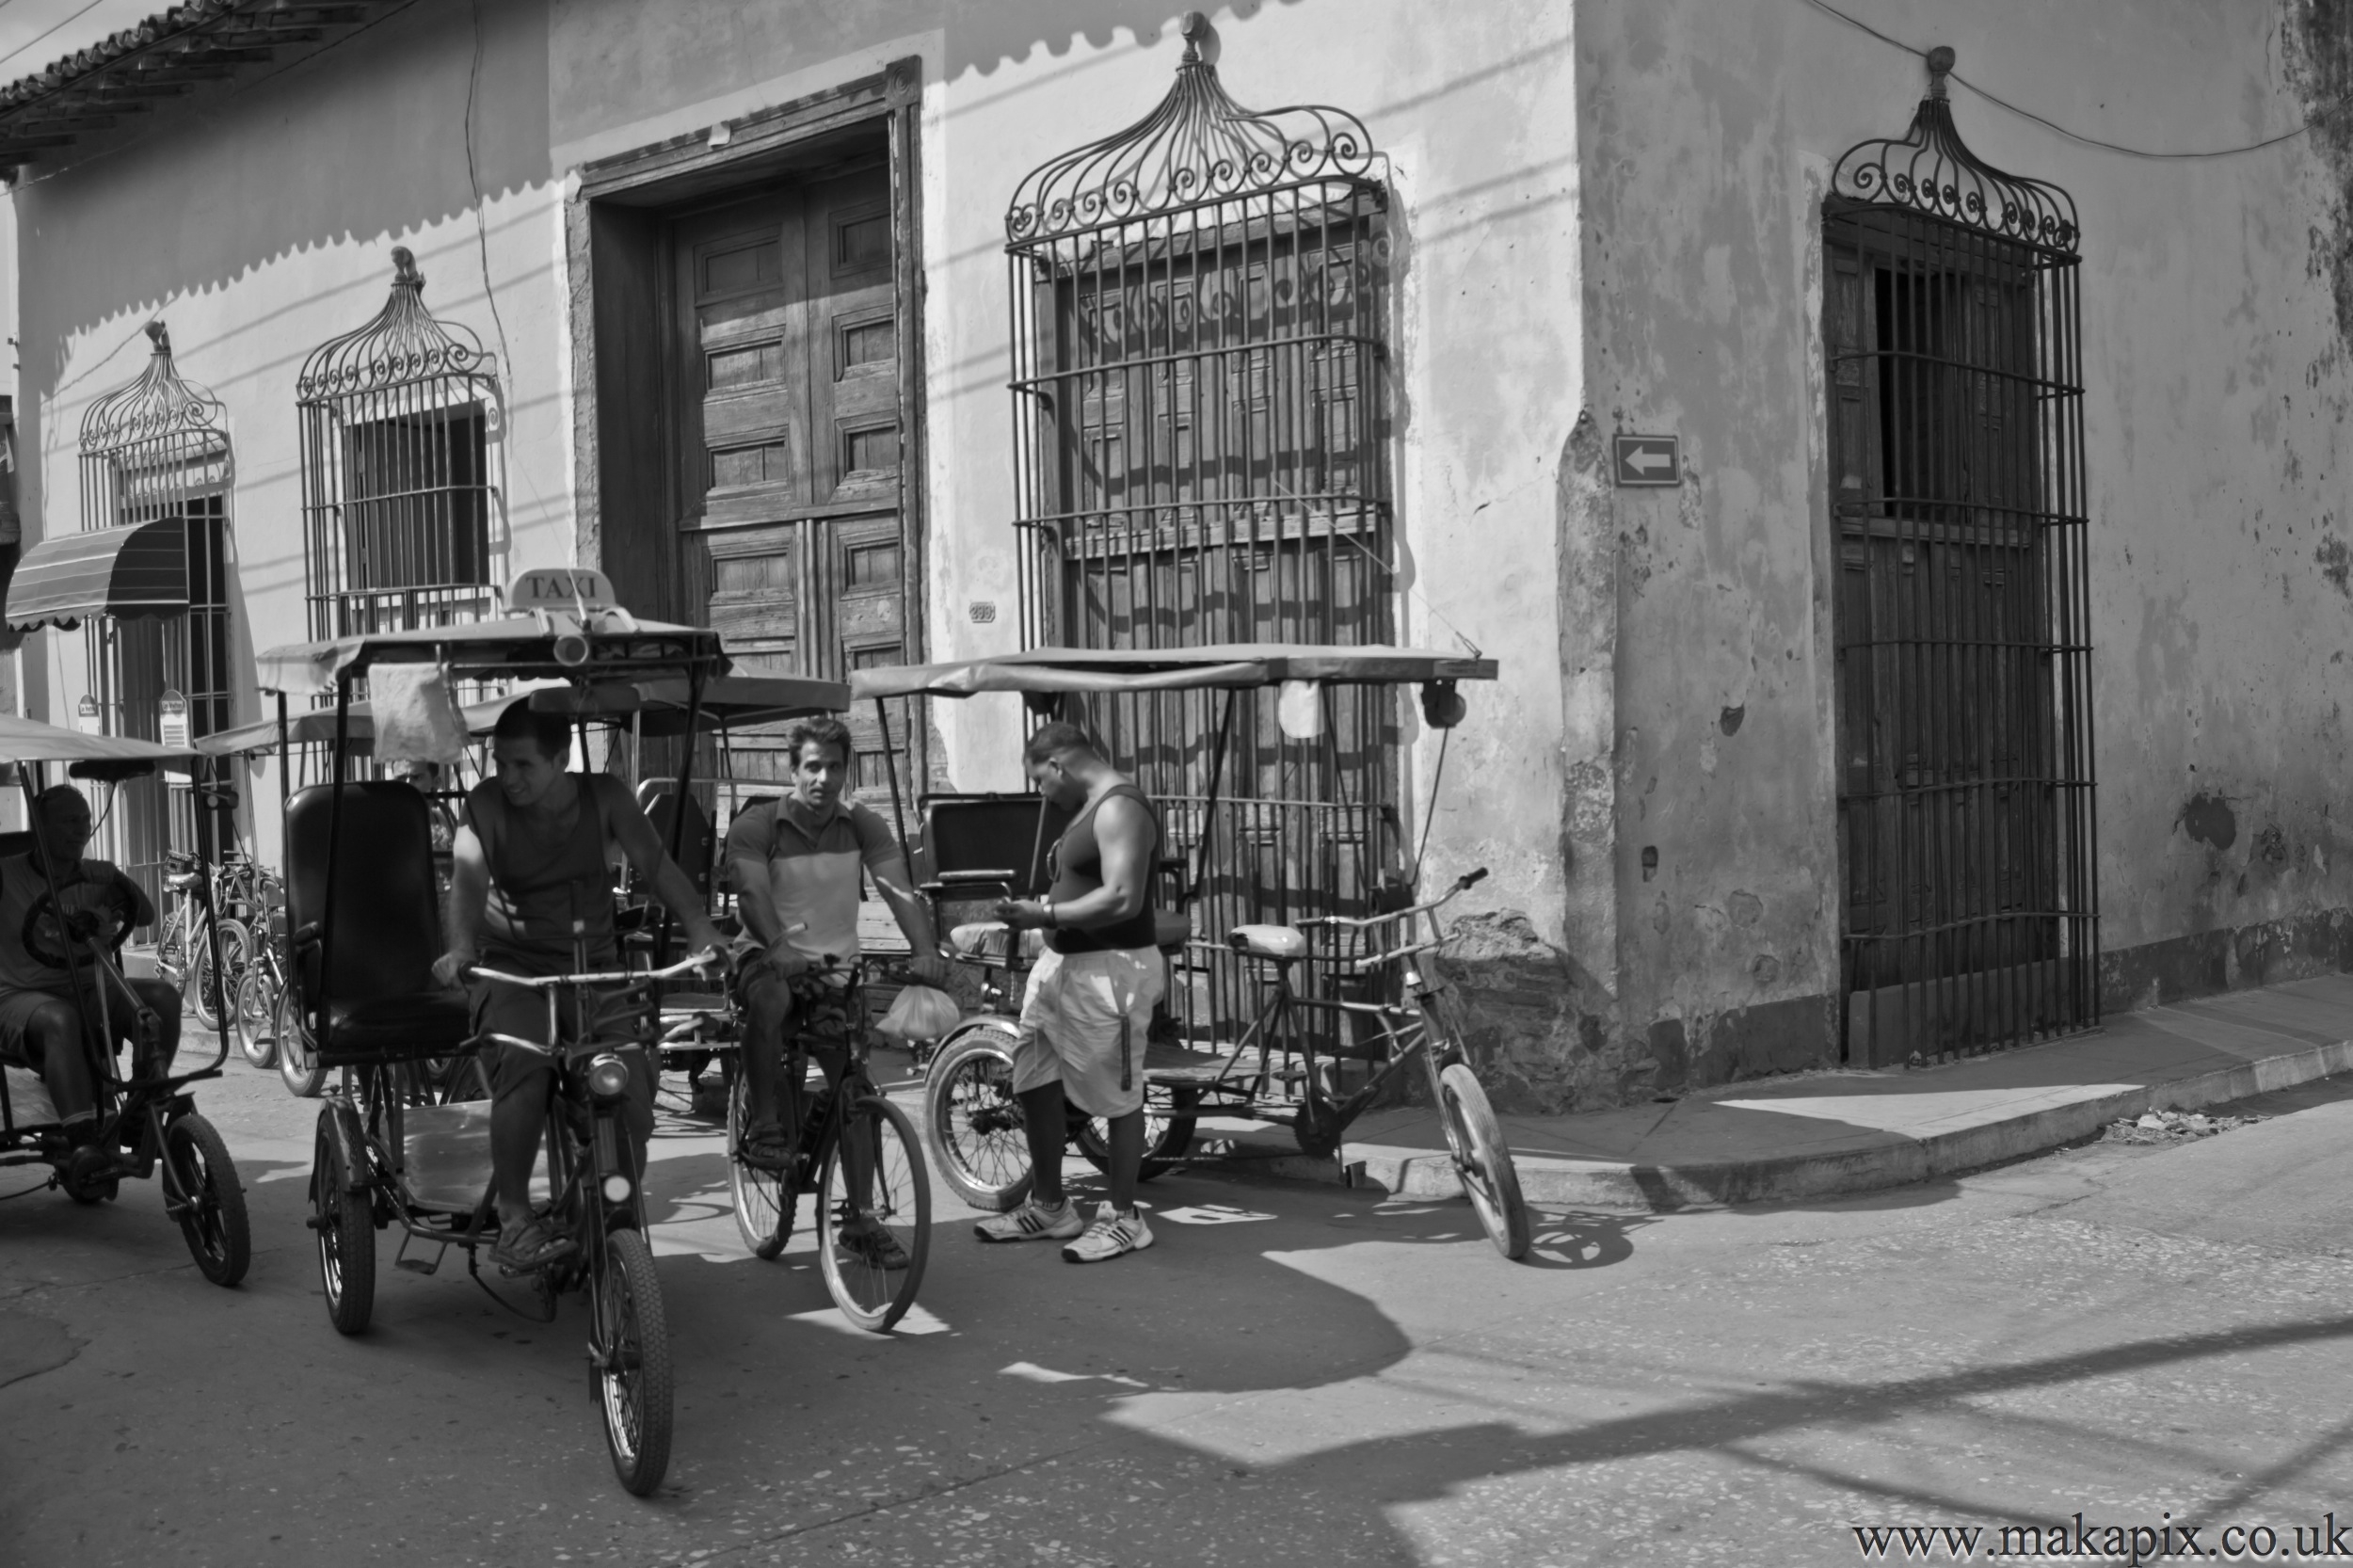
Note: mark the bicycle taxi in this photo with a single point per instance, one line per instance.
(148, 1124)
(395, 1150)
(1291, 1066)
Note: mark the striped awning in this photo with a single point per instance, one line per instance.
(126, 572)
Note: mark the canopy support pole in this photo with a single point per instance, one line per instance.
(335, 859)
(1200, 871)
(890, 766)
(678, 802)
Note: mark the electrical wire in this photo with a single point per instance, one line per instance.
(474, 182)
(38, 36)
(1995, 99)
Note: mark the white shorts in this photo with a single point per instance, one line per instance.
(1084, 1022)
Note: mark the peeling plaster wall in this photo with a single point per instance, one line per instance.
(2214, 357)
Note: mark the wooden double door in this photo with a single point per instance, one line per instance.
(793, 540)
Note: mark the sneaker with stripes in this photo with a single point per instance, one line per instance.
(1110, 1235)
(1032, 1222)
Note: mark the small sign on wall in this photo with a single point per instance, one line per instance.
(1648, 459)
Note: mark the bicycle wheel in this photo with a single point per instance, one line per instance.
(976, 1125)
(211, 1210)
(254, 1016)
(297, 1063)
(346, 1236)
(234, 941)
(1489, 1178)
(630, 1373)
(870, 1246)
(1167, 1134)
(763, 1208)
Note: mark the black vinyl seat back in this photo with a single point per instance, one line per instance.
(698, 844)
(13, 844)
(978, 833)
(387, 929)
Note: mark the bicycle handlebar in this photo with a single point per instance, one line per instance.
(707, 959)
(1462, 885)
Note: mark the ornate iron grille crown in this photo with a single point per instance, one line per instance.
(1931, 169)
(404, 344)
(1197, 147)
(158, 407)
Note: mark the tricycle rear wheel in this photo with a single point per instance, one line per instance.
(346, 1237)
(212, 1215)
(631, 1374)
(1167, 1134)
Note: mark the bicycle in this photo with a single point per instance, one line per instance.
(871, 1244)
(183, 947)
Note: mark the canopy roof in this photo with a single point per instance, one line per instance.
(30, 740)
(140, 570)
(1163, 669)
(658, 708)
(515, 647)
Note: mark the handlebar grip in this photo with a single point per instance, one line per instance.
(968, 879)
(306, 935)
(1471, 879)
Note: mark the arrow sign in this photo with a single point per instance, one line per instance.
(1648, 459)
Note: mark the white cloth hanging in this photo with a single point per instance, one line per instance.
(417, 718)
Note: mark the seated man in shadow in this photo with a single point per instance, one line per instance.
(532, 894)
(46, 1018)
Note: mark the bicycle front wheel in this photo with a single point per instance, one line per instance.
(1490, 1180)
(298, 1063)
(872, 1243)
(253, 1015)
(632, 1369)
(763, 1206)
(976, 1124)
(235, 939)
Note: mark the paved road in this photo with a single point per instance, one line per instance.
(1324, 1379)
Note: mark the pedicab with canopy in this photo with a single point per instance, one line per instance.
(148, 1124)
(1285, 1067)
(365, 934)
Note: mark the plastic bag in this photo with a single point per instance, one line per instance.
(919, 1013)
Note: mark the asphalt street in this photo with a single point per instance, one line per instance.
(1293, 1375)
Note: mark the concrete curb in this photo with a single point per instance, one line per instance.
(1898, 1161)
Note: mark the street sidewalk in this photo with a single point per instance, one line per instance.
(1823, 1135)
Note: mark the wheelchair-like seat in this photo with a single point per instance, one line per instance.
(985, 942)
(1282, 943)
(385, 1004)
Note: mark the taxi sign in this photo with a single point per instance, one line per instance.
(568, 589)
(173, 711)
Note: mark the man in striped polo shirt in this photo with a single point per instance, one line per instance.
(797, 862)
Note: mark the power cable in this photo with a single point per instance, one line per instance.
(2049, 124)
(38, 36)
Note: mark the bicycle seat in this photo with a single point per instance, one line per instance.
(1171, 929)
(1281, 942)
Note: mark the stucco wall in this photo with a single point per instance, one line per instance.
(2215, 381)
(262, 225)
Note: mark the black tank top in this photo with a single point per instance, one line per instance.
(1075, 865)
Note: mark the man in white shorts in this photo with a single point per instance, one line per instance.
(1090, 999)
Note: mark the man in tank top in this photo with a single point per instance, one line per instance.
(1090, 996)
(532, 894)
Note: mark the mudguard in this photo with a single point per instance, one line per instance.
(339, 1124)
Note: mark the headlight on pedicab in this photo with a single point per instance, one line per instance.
(608, 1078)
(616, 1188)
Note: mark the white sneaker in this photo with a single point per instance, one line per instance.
(1110, 1235)
(1032, 1222)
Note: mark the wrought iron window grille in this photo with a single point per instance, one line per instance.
(157, 450)
(1931, 169)
(1200, 320)
(1966, 796)
(403, 491)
